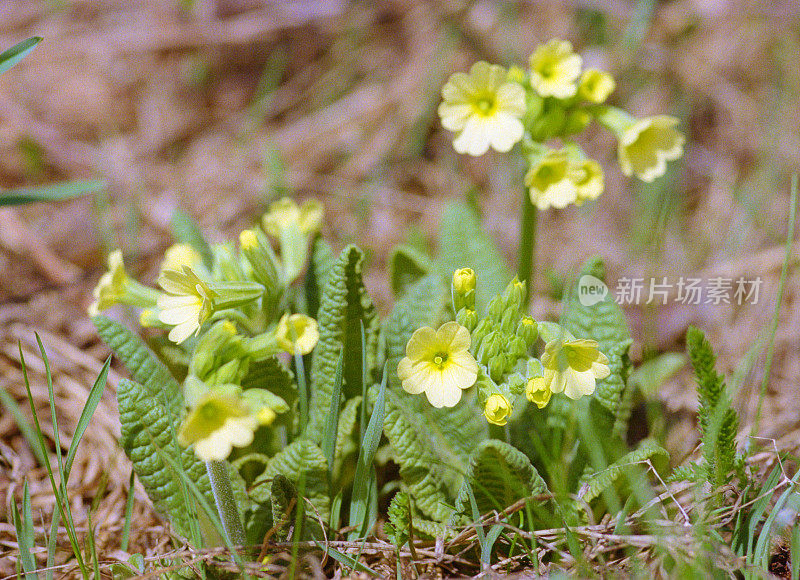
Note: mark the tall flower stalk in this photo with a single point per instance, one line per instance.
(553, 100)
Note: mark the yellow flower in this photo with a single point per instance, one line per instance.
(178, 255)
(587, 175)
(497, 409)
(573, 366)
(220, 421)
(297, 332)
(645, 147)
(538, 392)
(554, 69)
(595, 85)
(111, 285)
(549, 181)
(187, 303)
(115, 287)
(284, 214)
(438, 363)
(464, 280)
(483, 109)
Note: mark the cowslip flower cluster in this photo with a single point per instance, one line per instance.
(225, 313)
(554, 99)
(493, 354)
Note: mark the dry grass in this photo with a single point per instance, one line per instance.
(160, 101)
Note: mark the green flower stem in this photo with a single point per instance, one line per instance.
(226, 504)
(137, 294)
(527, 247)
(612, 118)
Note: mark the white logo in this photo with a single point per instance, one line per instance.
(591, 290)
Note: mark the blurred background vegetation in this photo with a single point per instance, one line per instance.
(218, 107)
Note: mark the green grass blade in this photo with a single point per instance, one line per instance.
(332, 422)
(764, 543)
(95, 394)
(364, 382)
(24, 425)
(126, 528)
(302, 389)
(348, 561)
(476, 515)
(795, 552)
(16, 53)
(758, 509)
(778, 301)
(61, 503)
(92, 547)
(46, 193)
(486, 549)
(23, 523)
(364, 468)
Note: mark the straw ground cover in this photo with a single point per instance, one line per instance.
(223, 108)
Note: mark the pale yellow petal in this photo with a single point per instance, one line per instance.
(421, 343)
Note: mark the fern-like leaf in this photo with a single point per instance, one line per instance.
(595, 484)
(301, 459)
(345, 305)
(719, 422)
(148, 434)
(499, 475)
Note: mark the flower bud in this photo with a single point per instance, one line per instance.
(595, 86)
(516, 383)
(490, 347)
(260, 256)
(297, 333)
(497, 409)
(577, 120)
(463, 290)
(537, 392)
(468, 318)
(528, 330)
(498, 366)
(464, 280)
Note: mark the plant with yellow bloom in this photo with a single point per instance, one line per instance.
(484, 109)
(497, 409)
(297, 333)
(439, 364)
(555, 69)
(572, 367)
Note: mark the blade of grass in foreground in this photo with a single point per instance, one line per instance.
(778, 300)
(61, 503)
(16, 53)
(45, 193)
(24, 425)
(364, 468)
(95, 394)
(23, 524)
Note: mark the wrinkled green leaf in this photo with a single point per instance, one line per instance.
(148, 432)
(406, 266)
(597, 483)
(345, 304)
(300, 457)
(499, 475)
